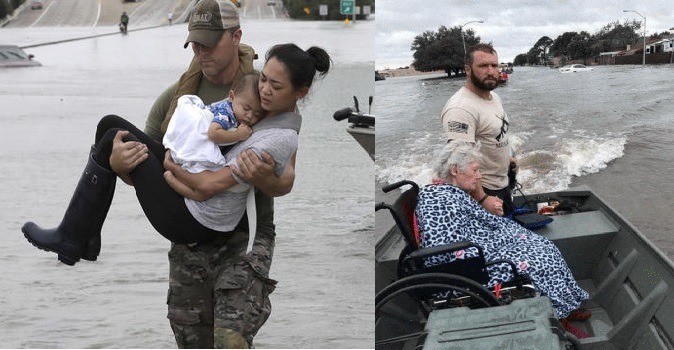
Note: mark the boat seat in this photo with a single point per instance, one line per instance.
(591, 229)
(412, 257)
(528, 321)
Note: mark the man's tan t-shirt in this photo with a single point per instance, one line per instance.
(468, 117)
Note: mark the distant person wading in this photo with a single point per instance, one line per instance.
(124, 22)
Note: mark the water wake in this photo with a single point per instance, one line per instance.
(541, 170)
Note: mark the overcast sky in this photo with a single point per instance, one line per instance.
(512, 26)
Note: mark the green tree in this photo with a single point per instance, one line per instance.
(521, 60)
(561, 45)
(615, 36)
(534, 56)
(4, 9)
(423, 47)
(542, 46)
(7, 7)
(581, 46)
(442, 50)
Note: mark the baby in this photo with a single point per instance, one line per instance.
(196, 131)
(234, 116)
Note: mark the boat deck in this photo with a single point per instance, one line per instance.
(628, 279)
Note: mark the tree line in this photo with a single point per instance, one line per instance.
(614, 36)
(7, 7)
(444, 49)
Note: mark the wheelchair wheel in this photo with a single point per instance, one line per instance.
(420, 286)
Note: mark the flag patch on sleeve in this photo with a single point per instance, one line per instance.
(457, 127)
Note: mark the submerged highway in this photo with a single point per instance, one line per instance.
(143, 13)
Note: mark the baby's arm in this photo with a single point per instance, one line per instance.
(221, 136)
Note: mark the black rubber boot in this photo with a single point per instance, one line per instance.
(94, 244)
(93, 248)
(78, 235)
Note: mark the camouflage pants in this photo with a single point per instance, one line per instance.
(219, 297)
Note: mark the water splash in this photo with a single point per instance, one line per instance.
(554, 169)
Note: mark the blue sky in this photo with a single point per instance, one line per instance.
(513, 26)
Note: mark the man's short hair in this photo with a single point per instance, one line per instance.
(478, 47)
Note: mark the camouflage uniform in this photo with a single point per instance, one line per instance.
(219, 297)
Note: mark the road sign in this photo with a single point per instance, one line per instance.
(346, 7)
(323, 10)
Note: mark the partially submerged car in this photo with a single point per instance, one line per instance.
(14, 56)
(36, 4)
(575, 68)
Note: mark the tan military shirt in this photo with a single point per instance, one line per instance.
(468, 117)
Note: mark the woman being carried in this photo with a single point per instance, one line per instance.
(169, 195)
(446, 214)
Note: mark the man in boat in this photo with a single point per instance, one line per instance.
(217, 296)
(504, 76)
(475, 114)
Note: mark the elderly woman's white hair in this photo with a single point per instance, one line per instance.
(455, 153)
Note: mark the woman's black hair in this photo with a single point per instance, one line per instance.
(302, 65)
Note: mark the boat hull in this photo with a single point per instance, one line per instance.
(630, 281)
(365, 137)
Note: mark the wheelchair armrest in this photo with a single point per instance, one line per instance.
(442, 249)
(393, 186)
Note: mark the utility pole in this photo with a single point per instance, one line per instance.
(644, 60)
(463, 39)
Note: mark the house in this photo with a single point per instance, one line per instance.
(664, 45)
(608, 57)
(658, 50)
(638, 47)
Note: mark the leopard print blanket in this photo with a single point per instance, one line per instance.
(447, 214)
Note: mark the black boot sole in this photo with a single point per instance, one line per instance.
(63, 257)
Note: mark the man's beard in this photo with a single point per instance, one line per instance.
(484, 84)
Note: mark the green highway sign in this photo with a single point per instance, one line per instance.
(346, 7)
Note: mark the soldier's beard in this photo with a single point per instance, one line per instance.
(486, 84)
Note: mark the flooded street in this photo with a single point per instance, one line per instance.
(323, 258)
(608, 129)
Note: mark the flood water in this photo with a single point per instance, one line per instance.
(610, 129)
(325, 227)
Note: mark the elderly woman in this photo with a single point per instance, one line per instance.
(446, 213)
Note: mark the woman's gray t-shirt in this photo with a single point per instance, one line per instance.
(277, 136)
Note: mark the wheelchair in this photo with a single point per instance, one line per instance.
(459, 283)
